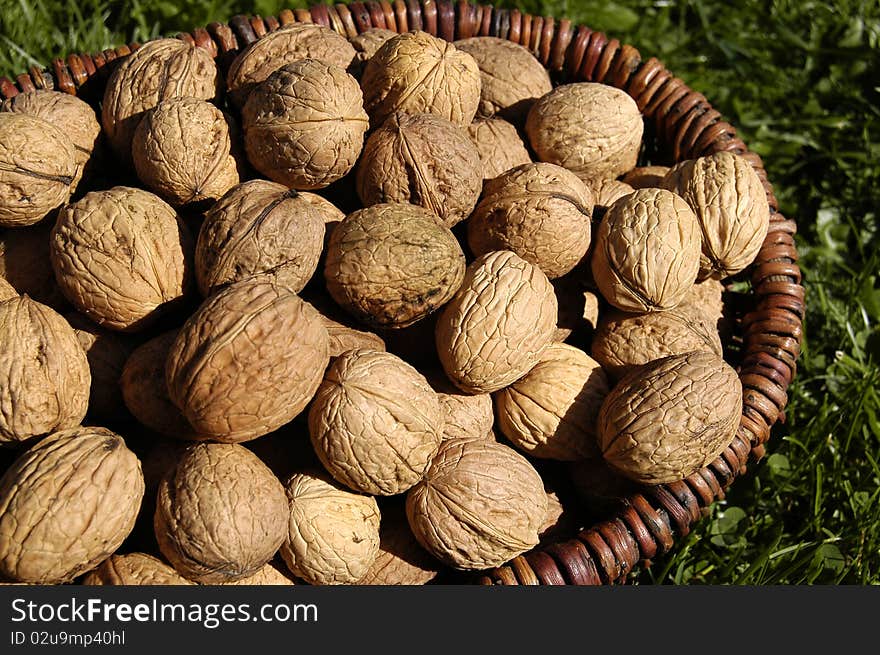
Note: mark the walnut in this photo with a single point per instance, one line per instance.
(304, 125)
(344, 337)
(499, 507)
(134, 569)
(592, 129)
(333, 533)
(44, 373)
(392, 264)
(606, 191)
(269, 575)
(221, 514)
(122, 257)
(706, 299)
(285, 45)
(541, 212)
(498, 323)
(67, 504)
(401, 560)
(24, 252)
(37, 169)
(646, 252)
(419, 73)
(375, 422)
(260, 227)
(159, 70)
(646, 177)
(499, 145)
(466, 415)
(365, 45)
(667, 419)
(512, 79)
(421, 159)
(247, 361)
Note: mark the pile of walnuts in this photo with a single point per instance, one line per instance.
(349, 312)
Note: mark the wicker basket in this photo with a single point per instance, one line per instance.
(680, 124)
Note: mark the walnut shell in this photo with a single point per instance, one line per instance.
(259, 227)
(122, 257)
(375, 422)
(134, 569)
(541, 212)
(665, 420)
(37, 169)
(592, 129)
(304, 125)
(499, 145)
(417, 73)
(401, 560)
(498, 508)
(67, 504)
(511, 77)
(24, 252)
(158, 70)
(731, 206)
(366, 44)
(706, 299)
(607, 191)
(44, 373)
(285, 45)
(646, 252)
(269, 575)
(247, 361)
(374, 249)
(421, 159)
(333, 533)
(221, 514)
(551, 411)
(646, 177)
(498, 323)
(466, 415)
(344, 337)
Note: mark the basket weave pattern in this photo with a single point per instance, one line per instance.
(684, 126)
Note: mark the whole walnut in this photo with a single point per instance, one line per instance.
(269, 575)
(67, 504)
(304, 125)
(466, 415)
(37, 169)
(541, 212)
(424, 160)
(511, 77)
(366, 44)
(480, 504)
(401, 560)
(731, 206)
(647, 251)
(606, 191)
(499, 145)
(122, 257)
(333, 533)
(221, 514)
(668, 418)
(24, 252)
(285, 45)
(247, 361)
(375, 422)
(374, 249)
(592, 129)
(44, 373)
(259, 227)
(159, 70)
(344, 337)
(706, 298)
(134, 569)
(495, 328)
(551, 411)
(646, 177)
(418, 73)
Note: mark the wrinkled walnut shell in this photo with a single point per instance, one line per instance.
(467, 416)
(136, 569)
(646, 177)
(499, 145)
(607, 191)
(366, 44)
(24, 252)
(401, 560)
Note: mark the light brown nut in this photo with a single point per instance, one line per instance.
(499, 145)
(333, 533)
(269, 575)
(606, 191)
(590, 128)
(137, 569)
(67, 504)
(498, 323)
(419, 73)
(706, 298)
(667, 419)
(285, 45)
(466, 415)
(424, 160)
(304, 125)
(401, 560)
(344, 337)
(541, 212)
(375, 422)
(498, 508)
(647, 251)
(221, 514)
(365, 45)
(646, 177)
(551, 411)
(731, 205)
(159, 70)
(122, 257)
(24, 252)
(7, 291)
(37, 169)
(44, 373)
(260, 227)
(392, 264)
(247, 361)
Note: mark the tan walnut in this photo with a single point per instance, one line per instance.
(499, 145)
(137, 569)
(269, 575)
(366, 44)
(24, 252)
(466, 415)
(401, 560)
(645, 177)
(606, 191)
(344, 337)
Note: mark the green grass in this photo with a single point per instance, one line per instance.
(799, 80)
